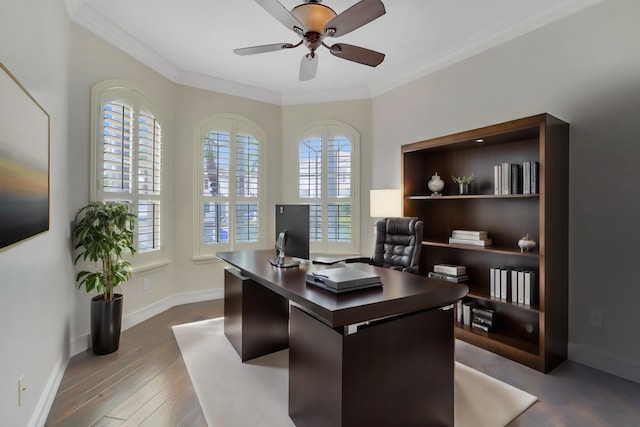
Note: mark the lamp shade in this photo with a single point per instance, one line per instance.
(386, 203)
(313, 16)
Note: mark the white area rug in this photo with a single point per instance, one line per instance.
(255, 393)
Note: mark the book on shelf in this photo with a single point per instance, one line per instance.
(450, 269)
(535, 170)
(514, 285)
(516, 179)
(478, 242)
(526, 177)
(520, 298)
(459, 311)
(492, 282)
(469, 234)
(530, 289)
(497, 179)
(504, 283)
(519, 286)
(482, 320)
(482, 311)
(480, 326)
(506, 178)
(448, 277)
(466, 312)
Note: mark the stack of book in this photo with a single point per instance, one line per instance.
(515, 178)
(482, 318)
(449, 272)
(470, 237)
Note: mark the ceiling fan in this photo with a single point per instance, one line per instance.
(312, 22)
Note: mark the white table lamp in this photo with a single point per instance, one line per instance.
(385, 203)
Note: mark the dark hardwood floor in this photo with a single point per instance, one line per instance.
(145, 383)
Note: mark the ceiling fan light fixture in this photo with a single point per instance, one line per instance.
(313, 16)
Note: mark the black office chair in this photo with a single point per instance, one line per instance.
(398, 243)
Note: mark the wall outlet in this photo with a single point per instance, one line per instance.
(597, 318)
(21, 389)
(146, 285)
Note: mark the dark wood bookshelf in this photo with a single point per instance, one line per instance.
(534, 335)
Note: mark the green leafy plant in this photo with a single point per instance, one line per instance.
(103, 233)
(464, 180)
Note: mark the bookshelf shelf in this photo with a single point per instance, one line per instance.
(487, 298)
(498, 343)
(534, 335)
(492, 249)
(474, 196)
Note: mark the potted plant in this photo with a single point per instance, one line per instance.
(463, 183)
(103, 233)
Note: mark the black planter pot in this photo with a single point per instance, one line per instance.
(106, 322)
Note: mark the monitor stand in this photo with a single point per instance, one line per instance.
(280, 263)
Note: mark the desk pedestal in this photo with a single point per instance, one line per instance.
(256, 320)
(395, 372)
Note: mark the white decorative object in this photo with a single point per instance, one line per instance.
(526, 243)
(436, 184)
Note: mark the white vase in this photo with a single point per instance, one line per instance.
(526, 243)
(435, 185)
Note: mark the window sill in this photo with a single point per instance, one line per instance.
(205, 259)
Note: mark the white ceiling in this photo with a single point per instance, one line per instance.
(191, 41)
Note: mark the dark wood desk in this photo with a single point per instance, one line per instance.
(380, 356)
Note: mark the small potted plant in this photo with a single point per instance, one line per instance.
(103, 233)
(463, 183)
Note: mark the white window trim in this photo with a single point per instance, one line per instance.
(234, 123)
(110, 90)
(331, 128)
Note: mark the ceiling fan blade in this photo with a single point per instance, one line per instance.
(308, 67)
(262, 49)
(357, 54)
(355, 17)
(282, 14)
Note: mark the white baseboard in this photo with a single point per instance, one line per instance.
(158, 307)
(43, 407)
(624, 368)
(83, 342)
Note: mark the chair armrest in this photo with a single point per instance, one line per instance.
(364, 259)
(412, 269)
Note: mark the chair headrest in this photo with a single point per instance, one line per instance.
(404, 225)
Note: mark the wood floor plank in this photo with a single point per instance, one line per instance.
(146, 410)
(91, 411)
(138, 399)
(107, 422)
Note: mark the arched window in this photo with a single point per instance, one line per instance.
(128, 160)
(230, 194)
(328, 181)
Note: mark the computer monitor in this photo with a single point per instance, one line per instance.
(292, 232)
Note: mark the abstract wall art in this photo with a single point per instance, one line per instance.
(24, 162)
